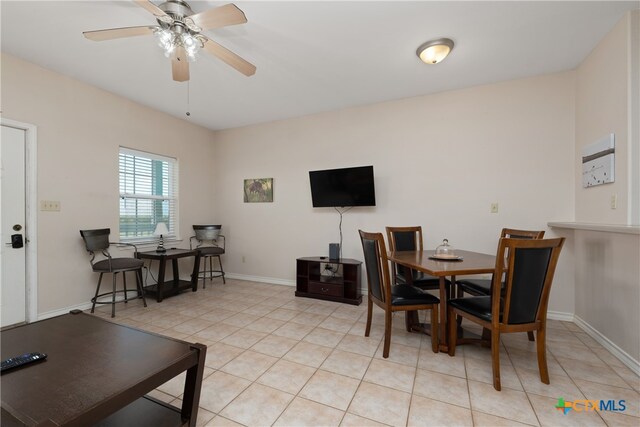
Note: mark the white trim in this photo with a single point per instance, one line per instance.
(59, 312)
(261, 279)
(560, 315)
(624, 357)
(272, 280)
(31, 226)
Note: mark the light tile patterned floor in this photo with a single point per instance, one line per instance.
(274, 359)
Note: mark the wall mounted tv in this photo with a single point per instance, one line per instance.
(343, 187)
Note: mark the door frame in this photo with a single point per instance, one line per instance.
(31, 214)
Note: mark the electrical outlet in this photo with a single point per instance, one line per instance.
(50, 205)
(614, 201)
(494, 207)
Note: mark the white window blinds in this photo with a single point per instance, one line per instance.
(148, 194)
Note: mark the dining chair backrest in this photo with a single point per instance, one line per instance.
(404, 238)
(376, 265)
(530, 268)
(522, 234)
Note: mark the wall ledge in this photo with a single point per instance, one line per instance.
(608, 228)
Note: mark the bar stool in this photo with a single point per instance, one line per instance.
(210, 244)
(97, 242)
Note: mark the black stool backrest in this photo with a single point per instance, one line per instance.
(96, 240)
(207, 232)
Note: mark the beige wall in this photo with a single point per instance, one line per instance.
(439, 162)
(602, 91)
(606, 264)
(79, 130)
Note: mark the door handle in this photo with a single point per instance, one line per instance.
(16, 241)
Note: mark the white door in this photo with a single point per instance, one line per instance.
(12, 223)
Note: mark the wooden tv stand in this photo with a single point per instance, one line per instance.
(340, 283)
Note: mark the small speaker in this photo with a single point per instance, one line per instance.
(334, 251)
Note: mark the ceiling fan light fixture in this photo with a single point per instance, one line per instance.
(434, 51)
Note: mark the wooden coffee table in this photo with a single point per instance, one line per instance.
(96, 372)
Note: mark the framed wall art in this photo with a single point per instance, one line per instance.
(258, 190)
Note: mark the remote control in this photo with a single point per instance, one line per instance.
(15, 362)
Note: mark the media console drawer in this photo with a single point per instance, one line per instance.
(326, 289)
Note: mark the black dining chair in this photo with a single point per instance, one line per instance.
(409, 239)
(97, 244)
(521, 307)
(392, 298)
(480, 287)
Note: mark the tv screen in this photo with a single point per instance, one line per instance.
(343, 187)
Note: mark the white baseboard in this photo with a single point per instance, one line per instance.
(624, 357)
(260, 279)
(66, 310)
(560, 315)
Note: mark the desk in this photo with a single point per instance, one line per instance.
(160, 289)
(472, 263)
(96, 372)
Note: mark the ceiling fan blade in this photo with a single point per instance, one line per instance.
(118, 33)
(180, 65)
(230, 58)
(155, 10)
(222, 16)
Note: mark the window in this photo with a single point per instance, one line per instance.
(148, 194)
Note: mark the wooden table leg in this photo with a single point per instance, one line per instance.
(195, 274)
(176, 272)
(192, 387)
(160, 284)
(444, 347)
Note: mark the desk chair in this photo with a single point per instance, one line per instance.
(521, 307)
(210, 244)
(480, 287)
(409, 239)
(97, 242)
(390, 298)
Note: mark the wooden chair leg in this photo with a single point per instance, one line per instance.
(435, 330)
(367, 329)
(530, 335)
(542, 354)
(453, 331)
(387, 333)
(495, 358)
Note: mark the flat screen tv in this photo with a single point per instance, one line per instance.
(343, 187)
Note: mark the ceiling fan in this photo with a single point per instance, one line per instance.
(179, 34)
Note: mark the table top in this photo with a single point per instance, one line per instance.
(471, 263)
(94, 367)
(170, 253)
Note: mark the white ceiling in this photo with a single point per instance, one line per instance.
(311, 56)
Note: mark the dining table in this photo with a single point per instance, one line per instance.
(465, 263)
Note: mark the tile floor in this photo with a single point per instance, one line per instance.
(274, 359)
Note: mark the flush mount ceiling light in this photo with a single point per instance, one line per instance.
(434, 51)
